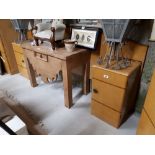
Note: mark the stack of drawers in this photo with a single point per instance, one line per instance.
(114, 93)
(147, 121)
(18, 51)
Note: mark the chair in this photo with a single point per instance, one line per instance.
(52, 32)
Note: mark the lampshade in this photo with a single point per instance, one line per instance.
(116, 30)
(29, 26)
(152, 38)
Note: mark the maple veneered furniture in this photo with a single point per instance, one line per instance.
(146, 124)
(7, 36)
(44, 61)
(115, 91)
(18, 51)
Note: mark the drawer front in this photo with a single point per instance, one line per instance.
(107, 94)
(145, 126)
(17, 48)
(109, 77)
(42, 57)
(20, 59)
(106, 114)
(23, 71)
(43, 64)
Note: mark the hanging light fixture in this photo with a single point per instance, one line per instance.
(115, 32)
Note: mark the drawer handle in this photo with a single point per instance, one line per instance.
(23, 61)
(106, 76)
(95, 90)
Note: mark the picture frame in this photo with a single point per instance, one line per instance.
(86, 37)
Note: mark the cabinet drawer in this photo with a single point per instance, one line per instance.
(17, 48)
(40, 56)
(107, 94)
(106, 114)
(109, 77)
(20, 59)
(145, 126)
(23, 71)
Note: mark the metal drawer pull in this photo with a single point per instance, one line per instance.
(106, 76)
(95, 90)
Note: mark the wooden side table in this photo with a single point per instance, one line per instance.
(48, 63)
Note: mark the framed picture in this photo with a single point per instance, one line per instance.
(85, 37)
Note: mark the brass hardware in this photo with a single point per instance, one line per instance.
(106, 76)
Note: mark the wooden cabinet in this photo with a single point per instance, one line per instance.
(18, 51)
(7, 36)
(114, 92)
(147, 120)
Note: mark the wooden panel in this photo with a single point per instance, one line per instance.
(106, 114)
(29, 35)
(149, 104)
(6, 64)
(49, 68)
(8, 35)
(20, 59)
(145, 126)
(17, 48)
(23, 71)
(108, 94)
(100, 51)
(135, 51)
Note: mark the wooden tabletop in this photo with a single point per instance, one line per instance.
(126, 71)
(46, 48)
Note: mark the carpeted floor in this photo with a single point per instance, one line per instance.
(46, 102)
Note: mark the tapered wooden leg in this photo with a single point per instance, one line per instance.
(67, 81)
(52, 39)
(36, 41)
(31, 73)
(86, 82)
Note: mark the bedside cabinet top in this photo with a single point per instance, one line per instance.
(126, 71)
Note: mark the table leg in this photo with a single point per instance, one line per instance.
(86, 82)
(67, 82)
(31, 73)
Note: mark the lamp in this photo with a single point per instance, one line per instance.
(152, 38)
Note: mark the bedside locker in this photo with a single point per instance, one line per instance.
(114, 93)
(18, 51)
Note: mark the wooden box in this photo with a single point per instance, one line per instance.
(114, 93)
